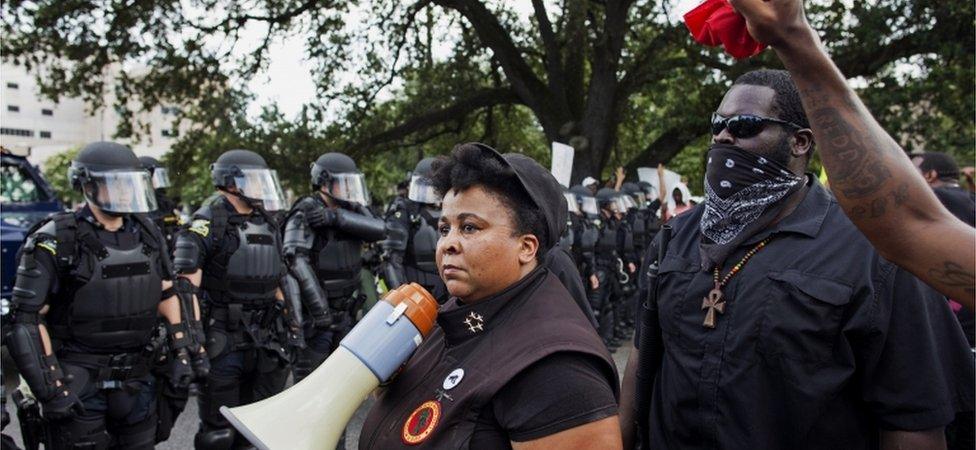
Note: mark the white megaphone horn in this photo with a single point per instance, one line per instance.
(313, 413)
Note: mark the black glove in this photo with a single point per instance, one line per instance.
(180, 371)
(320, 217)
(65, 404)
(200, 362)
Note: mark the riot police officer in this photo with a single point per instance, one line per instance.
(608, 265)
(232, 251)
(412, 259)
(165, 215)
(324, 238)
(633, 242)
(90, 287)
(585, 226)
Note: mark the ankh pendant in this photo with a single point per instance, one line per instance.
(715, 302)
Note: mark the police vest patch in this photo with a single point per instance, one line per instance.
(201, 227)
(421, 422)
(50, 246)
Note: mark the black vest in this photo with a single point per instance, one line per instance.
(110, 295)
(491, 341)
(247, 262)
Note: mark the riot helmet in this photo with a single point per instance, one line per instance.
(609, 199)
(338, 175)
(421, 189)
(111, 178)
(255, 182)
(587, 202)
(634, 194)
(159, 174)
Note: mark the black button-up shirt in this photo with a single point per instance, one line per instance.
(821, 344)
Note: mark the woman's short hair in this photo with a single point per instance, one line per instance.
(470, 166)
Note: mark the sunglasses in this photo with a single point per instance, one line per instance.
(745, 125)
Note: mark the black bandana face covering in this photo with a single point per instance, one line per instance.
(743, 193)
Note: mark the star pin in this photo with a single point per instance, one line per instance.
(475, 322)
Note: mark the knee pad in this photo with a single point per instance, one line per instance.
(79, 433)
(216, 439)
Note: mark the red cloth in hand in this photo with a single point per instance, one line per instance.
(714, 23)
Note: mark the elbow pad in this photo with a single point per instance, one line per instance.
(186, 255)
(297, 238)
(31, 287)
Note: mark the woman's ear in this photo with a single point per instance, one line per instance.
(528, 247)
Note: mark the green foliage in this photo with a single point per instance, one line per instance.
(55, 171)
(409, 79)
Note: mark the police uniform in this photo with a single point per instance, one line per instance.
(607, 267)
(326, 261)
(415, 258)
(104, 289)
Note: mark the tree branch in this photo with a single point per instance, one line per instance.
(461, 108)
(524, 81)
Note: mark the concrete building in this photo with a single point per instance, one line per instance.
(33, 125)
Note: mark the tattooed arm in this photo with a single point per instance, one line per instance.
(876, 184)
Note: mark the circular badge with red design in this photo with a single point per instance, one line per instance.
(421, 422)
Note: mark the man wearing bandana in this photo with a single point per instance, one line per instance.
(780, 326)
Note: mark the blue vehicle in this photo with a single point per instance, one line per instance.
(25, 199)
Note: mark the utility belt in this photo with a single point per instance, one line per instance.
(111, 371)
(244, 325)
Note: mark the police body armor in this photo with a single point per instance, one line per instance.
(338, 259)
(248, 275)
(112, 296)
(606, 245)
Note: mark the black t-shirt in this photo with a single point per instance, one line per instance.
(557, 393)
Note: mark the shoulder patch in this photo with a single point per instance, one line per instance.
(201, 227)
(51, 245)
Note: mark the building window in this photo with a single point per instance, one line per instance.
(13, 108)
(45, 134)
(17, 132)
(170, 133)
(170, 110)
(13, 86)
(47, 112)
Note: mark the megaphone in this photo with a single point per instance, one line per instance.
(313, 413)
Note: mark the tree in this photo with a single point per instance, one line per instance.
(617, 79)
(56, 172)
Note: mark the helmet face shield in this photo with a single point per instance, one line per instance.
(571, 201)
(626, 203)
(160, 178)
(120, 191)
(590, 206)
(422, 191)
(641, 200)
(349, 187)
(261, 185)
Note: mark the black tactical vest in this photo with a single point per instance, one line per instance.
(606, 244)
(248, 264)
(338, 259)
(422, 247)
(112, 294)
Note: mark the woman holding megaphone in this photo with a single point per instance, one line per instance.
(512, 362)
